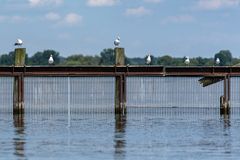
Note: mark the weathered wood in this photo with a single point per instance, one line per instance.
(120, 83)
(120, 95)
(18, 86)
(20, 54)
(225, 99)
(18, 95)
(119, 56)
(208, 80)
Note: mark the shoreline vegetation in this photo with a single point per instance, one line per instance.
(106, 57)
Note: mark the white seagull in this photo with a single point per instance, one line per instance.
(117, 42)
(217, 61)
(19, 42)
(187, 61)
(50, 60)
(149, 59)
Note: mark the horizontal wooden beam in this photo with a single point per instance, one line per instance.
(115, 70)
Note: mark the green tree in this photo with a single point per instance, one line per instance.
(107, 57)
(165, 60)
(236, 62)
(225, 57)
(7, 59)
(199, 61)
(82, 60)
(136, 61)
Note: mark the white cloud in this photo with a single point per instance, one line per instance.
(100, 3)
(64, 36)
(72, 19)
(216, 4)
(140, 11)
(69, 19)
(52, 16)
(153, 1)
(178, 19)
(36, 3)
(2, 18)
(12, 19)
(17, 19)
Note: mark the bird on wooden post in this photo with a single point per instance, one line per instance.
(19, 42)
(217, 61)
(50, 60)
(117, 42)
(187, 60)
(148, 59)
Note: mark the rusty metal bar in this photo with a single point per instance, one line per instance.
(118, 70)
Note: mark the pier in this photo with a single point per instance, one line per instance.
(120, 73)
(207, 75)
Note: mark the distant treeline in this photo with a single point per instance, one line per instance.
(106, 57)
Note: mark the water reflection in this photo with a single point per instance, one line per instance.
(19, 138)
(119, 137)
(226, 120)
(227, 136)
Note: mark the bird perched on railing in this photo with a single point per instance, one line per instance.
(19, 42)
(148, 59)
(187, 60)
(117, 42)
(50, 60)
(217, 61)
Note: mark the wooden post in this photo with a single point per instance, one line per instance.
(18, 95)
(120, 83)
(18, 86)
(20, 54)
(225, 99)
(119, 56)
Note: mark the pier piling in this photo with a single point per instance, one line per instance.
(120, 83)
(20, 54)
(225, 99)
(18, 86)
(119, 56)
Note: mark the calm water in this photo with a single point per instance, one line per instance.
(136, 136)
(72, 118)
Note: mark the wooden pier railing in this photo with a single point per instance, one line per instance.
(120, 71)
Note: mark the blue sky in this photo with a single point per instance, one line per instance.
(174, 27)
